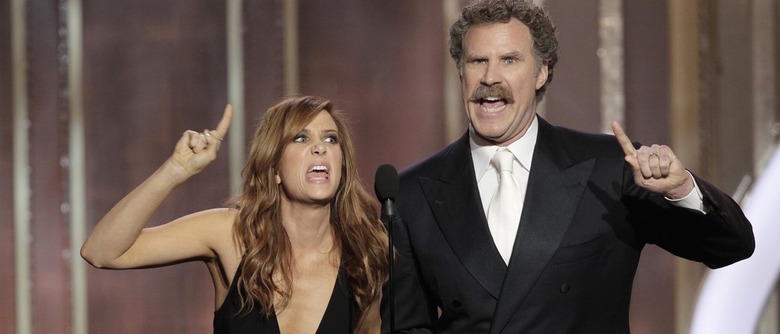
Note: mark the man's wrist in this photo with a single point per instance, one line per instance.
(683, 190)
(693, 199)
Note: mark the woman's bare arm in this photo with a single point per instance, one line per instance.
(120, 239)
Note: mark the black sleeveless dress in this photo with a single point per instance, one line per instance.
(338, 317)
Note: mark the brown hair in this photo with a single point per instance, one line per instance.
(358, 230)
(545, 45)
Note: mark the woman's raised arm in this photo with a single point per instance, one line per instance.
(120, 239)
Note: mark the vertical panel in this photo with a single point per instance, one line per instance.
(47, 96)
(647, 109)
(236, 91)
(7, 239)
(263, 65)
(647, 70)
(709, 106)
(763, 84)
(573, 98)
(734, 95)
(382, 62)
(152, 69)
(455, 119)
(290, 47)
(685, 75)
(76, 173)
(647, 114)
(696, 61)
(611, 54)
(11, 42)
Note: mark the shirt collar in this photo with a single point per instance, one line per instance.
(523, 149)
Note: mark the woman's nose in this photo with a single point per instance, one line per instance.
(319, 149)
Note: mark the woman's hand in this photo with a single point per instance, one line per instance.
(196, 150)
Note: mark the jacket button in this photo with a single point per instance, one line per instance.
(456, 303)
(565, 288)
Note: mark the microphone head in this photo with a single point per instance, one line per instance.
(386, 182)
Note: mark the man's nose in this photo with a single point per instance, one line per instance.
(491, 75)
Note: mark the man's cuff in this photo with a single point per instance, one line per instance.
(694, 199)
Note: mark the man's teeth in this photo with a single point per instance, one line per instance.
(493, 109)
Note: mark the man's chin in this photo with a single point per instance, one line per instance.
(484, 137)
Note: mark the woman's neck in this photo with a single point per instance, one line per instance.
(308, 227)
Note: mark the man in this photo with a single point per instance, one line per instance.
(561, 257)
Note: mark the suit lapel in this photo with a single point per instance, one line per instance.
(454, 200)
(555, 186)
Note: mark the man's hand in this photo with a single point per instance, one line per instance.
(656, 168)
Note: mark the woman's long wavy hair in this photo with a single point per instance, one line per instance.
(358, 230)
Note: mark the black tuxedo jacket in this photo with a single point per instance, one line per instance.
(583, 226)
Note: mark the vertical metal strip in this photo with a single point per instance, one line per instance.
(235, 90)
(21, 163)
(290, 47)
(763, 66)
(684, 74)
(610, 55)
(453, 114)
(77, 165)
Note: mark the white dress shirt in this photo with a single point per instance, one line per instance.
(488, 176)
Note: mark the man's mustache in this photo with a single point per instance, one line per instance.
(496, 91)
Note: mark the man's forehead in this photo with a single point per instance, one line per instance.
(513, 36)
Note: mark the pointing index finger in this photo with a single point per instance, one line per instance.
(625, 142)
(224, 123)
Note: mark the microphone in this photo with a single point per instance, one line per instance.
(386, 189)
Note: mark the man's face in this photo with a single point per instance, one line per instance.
(499, 80)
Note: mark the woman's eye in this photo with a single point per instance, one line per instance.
(331, 139)
(300, 139)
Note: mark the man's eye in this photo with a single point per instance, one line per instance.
(511, 61)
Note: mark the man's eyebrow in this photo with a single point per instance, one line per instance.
(513, 54)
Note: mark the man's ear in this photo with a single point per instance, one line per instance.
(541, 77)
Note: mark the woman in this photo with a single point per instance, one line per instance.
(302, 249)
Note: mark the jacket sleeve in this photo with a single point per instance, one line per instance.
(718, 238)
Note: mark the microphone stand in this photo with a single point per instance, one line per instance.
(387, 207)
(386, 188)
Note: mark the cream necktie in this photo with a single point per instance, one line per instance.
(504, 211)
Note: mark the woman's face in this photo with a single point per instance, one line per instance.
(311, 165)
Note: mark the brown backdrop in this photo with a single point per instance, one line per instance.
(153, 69)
